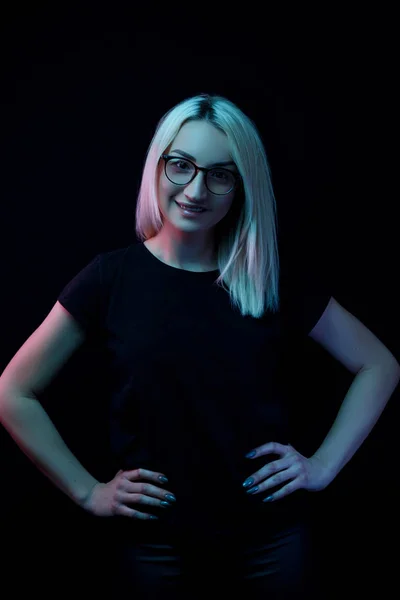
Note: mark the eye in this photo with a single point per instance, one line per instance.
(221, 175)
(180, 165)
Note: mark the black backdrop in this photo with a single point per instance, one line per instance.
(82, 91)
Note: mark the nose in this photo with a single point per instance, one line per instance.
(196, 189)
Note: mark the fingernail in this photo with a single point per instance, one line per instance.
(248, 482)
(251, 454)
(253, 490)
(268, 499)
(163, 503)
(162, 479)
(170, 497)
(153, 517)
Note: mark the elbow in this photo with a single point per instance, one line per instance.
(12, 400)
(392, 363)
(7, 402)
(387, 365)
(396, 369)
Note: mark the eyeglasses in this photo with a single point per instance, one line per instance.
(182, 171)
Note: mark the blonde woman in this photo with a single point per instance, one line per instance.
(195, 321)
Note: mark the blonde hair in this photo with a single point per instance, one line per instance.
(247, 246)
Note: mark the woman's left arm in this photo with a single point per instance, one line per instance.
(377, 374)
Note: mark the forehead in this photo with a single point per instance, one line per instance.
(203, 141)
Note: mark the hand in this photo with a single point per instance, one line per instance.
(128, 488)
(294, 468)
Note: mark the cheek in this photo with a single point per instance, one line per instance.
(166, 189)
(226, 205)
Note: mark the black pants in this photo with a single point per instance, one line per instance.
(279, 567)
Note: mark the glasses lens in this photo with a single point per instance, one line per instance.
(179, 171)
(219, 181)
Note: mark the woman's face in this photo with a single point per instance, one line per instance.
(204, 145)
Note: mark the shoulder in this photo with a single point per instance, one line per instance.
(115, 256)
(112, 262)
(86, 295)
(304, 296)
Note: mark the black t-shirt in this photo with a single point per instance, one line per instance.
(194, 384)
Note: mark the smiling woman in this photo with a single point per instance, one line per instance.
(237, 231)
(196, 323)
(203, 195)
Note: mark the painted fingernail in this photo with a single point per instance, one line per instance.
(248, 482)
(153, 517)
(268, 499)
(251, 454)
(170, 497)
(163, 503)
(162, 479)
(252, 490)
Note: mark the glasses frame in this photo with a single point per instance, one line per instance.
(168, 157)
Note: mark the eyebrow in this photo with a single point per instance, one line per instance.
(217, 164)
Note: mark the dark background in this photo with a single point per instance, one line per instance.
(82, 91)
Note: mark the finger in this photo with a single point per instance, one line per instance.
(137, 474)
(284, 491)
(134, 499)
(125, 511)
(275, 480)
(270, 448)
(267, 472)
(146, 489)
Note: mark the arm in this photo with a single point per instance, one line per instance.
(376, 373)
(32, 368)
(31, 428)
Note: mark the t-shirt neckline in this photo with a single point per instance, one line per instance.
(178, 269)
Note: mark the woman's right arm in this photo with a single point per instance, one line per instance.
(31, 369)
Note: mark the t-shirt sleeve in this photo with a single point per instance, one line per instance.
(84, 297)
(304, 298)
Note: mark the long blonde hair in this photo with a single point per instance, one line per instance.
(247, 246)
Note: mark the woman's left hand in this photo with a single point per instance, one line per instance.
(292, 469)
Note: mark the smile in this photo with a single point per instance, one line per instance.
(190, 209)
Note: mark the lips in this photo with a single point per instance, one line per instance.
(186, 205)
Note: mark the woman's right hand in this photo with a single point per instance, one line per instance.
(126, 493)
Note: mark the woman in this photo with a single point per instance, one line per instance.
(197, 325)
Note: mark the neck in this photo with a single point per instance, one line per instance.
(184, 251)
